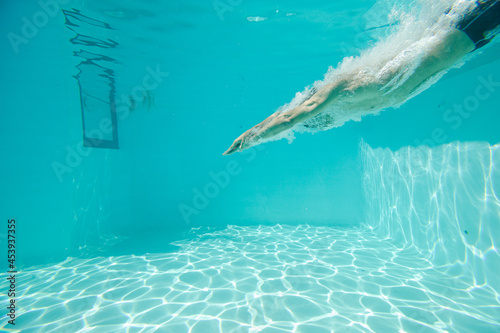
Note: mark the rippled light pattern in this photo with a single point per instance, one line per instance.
(442, 201)
(424, 261)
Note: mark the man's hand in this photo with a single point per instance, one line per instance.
(241, 143)
(271, 126)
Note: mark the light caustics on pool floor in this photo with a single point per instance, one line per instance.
(258, 279)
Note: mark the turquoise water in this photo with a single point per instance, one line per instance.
(385, 225)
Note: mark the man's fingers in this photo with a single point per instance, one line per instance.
(228, 152)
(237, 144)
(233, 148)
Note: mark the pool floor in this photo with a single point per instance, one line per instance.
(258, 279)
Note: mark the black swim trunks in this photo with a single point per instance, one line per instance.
(482, 24)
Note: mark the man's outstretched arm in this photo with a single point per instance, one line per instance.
(278, 123)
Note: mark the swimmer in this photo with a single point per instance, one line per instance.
(357, 92)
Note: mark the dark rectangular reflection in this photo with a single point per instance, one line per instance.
(96, 80)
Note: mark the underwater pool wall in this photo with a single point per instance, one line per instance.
(444, 201)
(39, 122)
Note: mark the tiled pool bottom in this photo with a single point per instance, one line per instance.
(257, 279)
